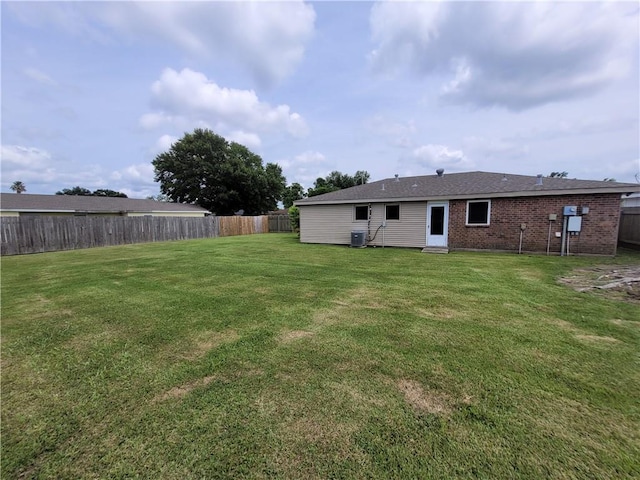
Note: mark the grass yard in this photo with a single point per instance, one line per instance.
(259, 357)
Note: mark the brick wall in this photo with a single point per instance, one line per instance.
(599, 233)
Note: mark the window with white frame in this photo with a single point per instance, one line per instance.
(478, 212)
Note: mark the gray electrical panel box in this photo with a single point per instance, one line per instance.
(570, 210)
(574, 224)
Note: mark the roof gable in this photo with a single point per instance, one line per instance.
(466, 185)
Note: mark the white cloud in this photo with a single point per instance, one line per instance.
(399, 133)
(39, 76)
(150, 121)
(74, 18)
(439, 156)
(190, 98)
(511, 54)
(627, 168)
(136, 181)
(249, 140)
(621, 170)
(495, 148)
(142, 172)
(305, 168)
(35, 166)
(18, 156)
(41, 173)
(585, 126)
(265, 38)
(164, 143)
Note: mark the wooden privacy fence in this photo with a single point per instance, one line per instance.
(630, 226)
(36, 234)
(279, 223)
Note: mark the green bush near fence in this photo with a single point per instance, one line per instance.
(294, 218)
(260, 357)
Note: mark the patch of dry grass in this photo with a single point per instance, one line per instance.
(292, 335)
(182, 391)
(430, 401)
(597, 338)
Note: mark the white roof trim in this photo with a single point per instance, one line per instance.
(580, 191)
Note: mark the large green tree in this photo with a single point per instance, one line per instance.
(224, 177)
(161, 197)
(105, 192)
(75, 191)
(101, 192)
(293, 192)
(337, 181)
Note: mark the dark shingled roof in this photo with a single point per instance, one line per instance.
(465, 186)
(88, 204)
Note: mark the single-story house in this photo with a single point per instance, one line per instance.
(470, 211)
(23, 204)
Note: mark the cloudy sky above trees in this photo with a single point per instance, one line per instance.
(93, 91)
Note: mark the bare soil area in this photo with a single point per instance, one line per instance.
(611, 281)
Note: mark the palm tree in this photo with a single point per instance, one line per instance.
(18, 187)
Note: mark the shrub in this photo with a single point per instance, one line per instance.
(294, 218)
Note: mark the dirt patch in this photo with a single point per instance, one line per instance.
(610, 281)
(422, 400)
(182, 390)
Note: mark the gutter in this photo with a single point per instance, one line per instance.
(471, 196)
(36, 210)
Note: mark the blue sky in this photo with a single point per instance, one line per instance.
(93, 91)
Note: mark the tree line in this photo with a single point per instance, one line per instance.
(227, 178)
(20, 187)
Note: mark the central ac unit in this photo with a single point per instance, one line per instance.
(358, 239)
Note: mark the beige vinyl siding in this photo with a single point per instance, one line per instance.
(328, 224)
(409, 231)
(334, 223)
(9, 214)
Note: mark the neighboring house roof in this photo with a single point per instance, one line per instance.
(466, 186)
(25, 202)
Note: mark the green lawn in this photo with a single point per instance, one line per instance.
(259, 357)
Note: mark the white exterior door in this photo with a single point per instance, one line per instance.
(437, 224)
